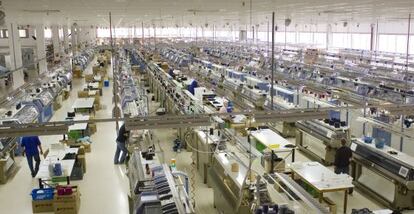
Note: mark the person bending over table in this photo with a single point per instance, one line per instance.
(121, 141)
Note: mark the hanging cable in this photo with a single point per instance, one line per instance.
(193, 168)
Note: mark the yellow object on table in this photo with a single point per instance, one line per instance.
(274, 146)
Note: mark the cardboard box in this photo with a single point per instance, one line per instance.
(92, 128)
(77, 73)
(67, 204)
(42, 206)
(81, 150)
(82, 159)
(67, 207)
(234, 167)
(83, 94)
(89, 77)
(69, 142)
(68, 198)
(87, 147)
(45, 153)
(330, 204)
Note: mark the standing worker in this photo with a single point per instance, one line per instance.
(343, 157)
(31, 147)
(223, 109)
(121, 141)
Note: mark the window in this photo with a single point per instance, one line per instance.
(103, 33)
(24, 33)
(279, 37)
(305, 38)
(48, 33)
(319, 40)
(3, 33)
(291, 37)
(361, 41)
(341, 40)
(392, 43)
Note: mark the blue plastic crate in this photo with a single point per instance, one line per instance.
(42, 194)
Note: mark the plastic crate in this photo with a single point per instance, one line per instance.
(42, 194)
(74, 135)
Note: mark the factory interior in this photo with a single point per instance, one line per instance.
(207, 107)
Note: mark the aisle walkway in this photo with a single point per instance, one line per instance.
(104, 187)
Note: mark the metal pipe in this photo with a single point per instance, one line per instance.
(113, 71)
(186, 180)
(404, 100)
(142, 33)
(273, 60)
(268, 41)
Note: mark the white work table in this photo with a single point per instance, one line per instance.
(226, 161)
(93, 85)
(52, 157)
(217, 102)
(79, 126)
(238, 119)
(97, 78)
(83, 103)
(211, 139)
(273, 141)
(322, 179)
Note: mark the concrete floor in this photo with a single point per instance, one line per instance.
(105, 186)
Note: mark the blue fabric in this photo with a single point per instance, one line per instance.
(30, 162)
(30, 145)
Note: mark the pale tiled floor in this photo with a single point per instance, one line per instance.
(105, 186)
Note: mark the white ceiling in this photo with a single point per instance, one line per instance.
(201, 12)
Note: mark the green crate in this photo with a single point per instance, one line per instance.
(260, 147)
(74, 135)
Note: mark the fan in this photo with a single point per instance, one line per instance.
(287, 22)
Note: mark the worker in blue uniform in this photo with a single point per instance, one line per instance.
(31, 148)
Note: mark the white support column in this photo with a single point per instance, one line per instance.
(329, 36)
(79, 40)
(55, 40)
(66, 38)
(93, 34)
(74, 38)
(41, 48)
(15, 55)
